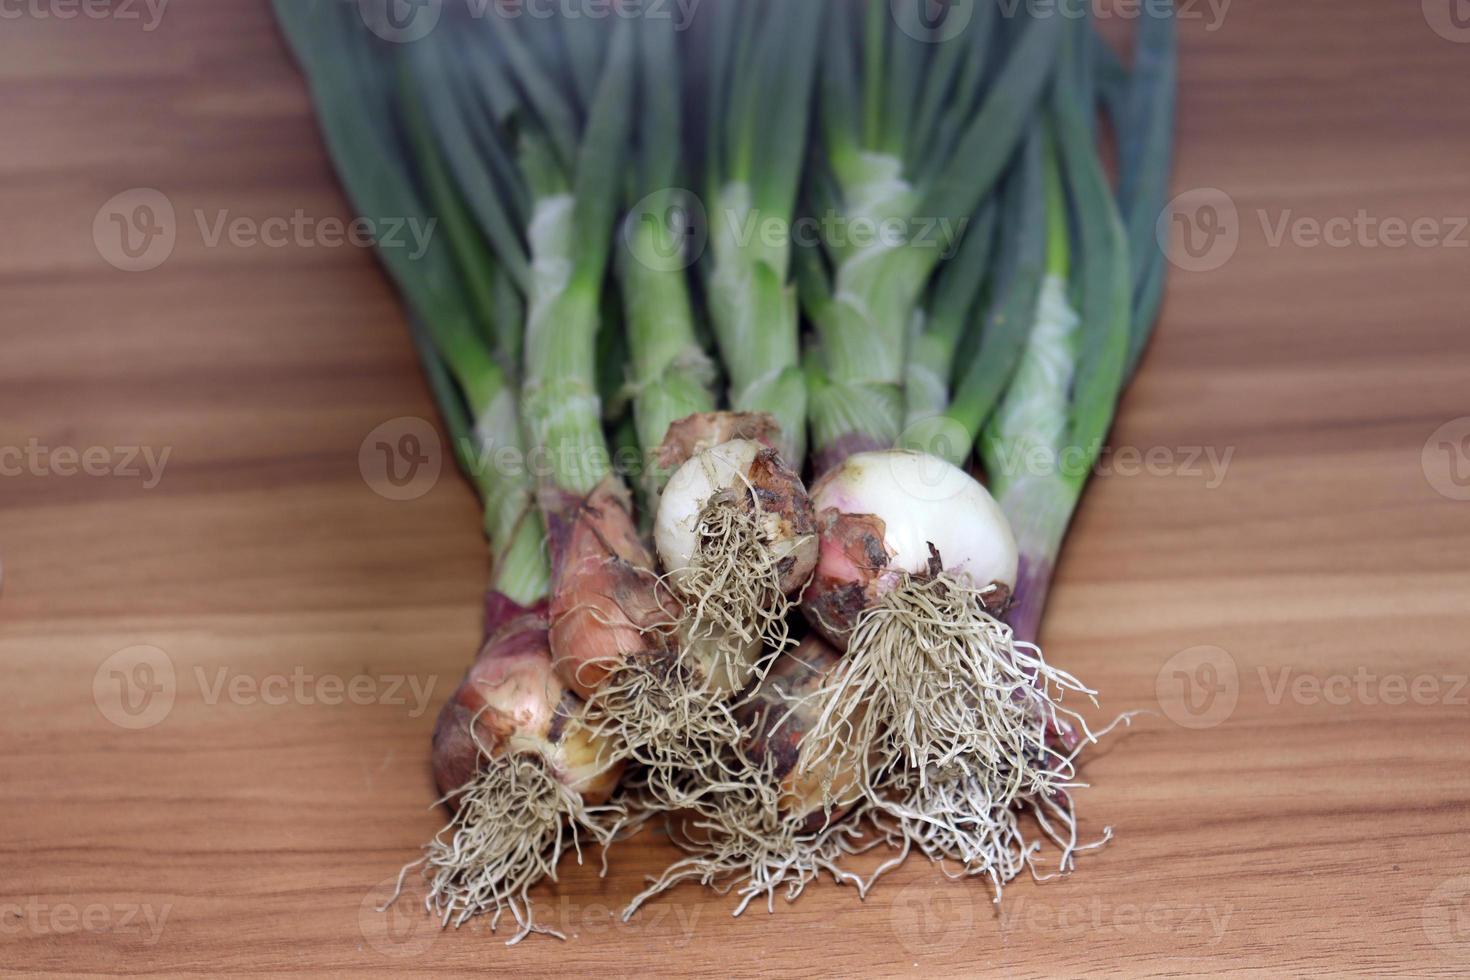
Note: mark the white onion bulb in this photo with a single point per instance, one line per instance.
(879, 514)
(925, 500)
(676, 528)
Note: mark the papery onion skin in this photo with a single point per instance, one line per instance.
(885, 515)
(500, 609)
(850, 573)
(606, 604)
(512, 700)
(694, 434)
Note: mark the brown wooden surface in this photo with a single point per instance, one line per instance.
(1298, 835)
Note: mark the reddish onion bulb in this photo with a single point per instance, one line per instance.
(512, 701)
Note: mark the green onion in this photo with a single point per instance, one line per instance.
(1008, 320)
(537, 174)
(903, 168)
(455, 315)
(957, 289)
(983, 358)
(975, 282)
(569, 233)
(672, 376)
(1040, 446)
(618, 636)
(525, 776)
(1146, 138)
(757, 74)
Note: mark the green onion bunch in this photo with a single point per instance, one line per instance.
(779, 346)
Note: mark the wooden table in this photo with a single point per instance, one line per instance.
(1294, 608)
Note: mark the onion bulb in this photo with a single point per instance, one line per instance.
(607, 609)
(917, 563)
(778, 716)
(653, 679)
(736, 535)
(524, 775)
(747, 476)
(512, 701)
(887, 517)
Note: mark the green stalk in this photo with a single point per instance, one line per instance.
(492, 451)
(988, 359)
(840, 415)
(672, 377)
(874, 48)
(956, 291)
(873, 305)
(762, 95)
(1112, 81)
(504, 96)
(355, 103)
(1146, 138)
(482, 168)
(569, 235)
(1040, 446)
(1140, 105)
(1031, 421)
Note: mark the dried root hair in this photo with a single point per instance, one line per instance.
(512, 823)
(676, 714)
(764, 832)
(955, 821)
(668, 705)
(673, 729)
(748, 846)
(933, 684)
(967, 803)
(732, 589)
(964, 731)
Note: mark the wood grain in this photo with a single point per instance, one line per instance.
(1302, 834)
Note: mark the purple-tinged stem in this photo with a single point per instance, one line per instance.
(1033, 582)
(1039, 509)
